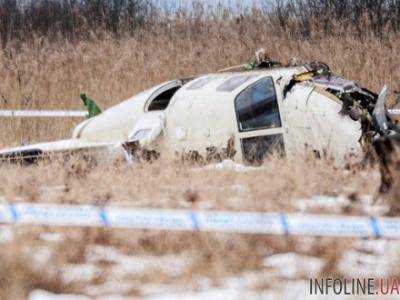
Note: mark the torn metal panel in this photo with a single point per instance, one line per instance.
(357, 102)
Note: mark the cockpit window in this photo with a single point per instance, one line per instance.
(161, 101)
(200, 82)
(257, 106)
(233, 82)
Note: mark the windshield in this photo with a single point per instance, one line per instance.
(257, 106)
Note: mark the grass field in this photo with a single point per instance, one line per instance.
(50, 75)
(44, 75)
(101, 263)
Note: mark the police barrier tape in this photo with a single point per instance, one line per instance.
(42, 113)
(192, 220)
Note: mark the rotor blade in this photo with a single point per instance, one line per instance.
(379, 112)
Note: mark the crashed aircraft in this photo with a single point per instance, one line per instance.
(242, 113)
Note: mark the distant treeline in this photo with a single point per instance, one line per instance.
(377, 16)
(79, 19)
(21, 19)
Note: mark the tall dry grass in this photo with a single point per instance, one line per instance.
(44, 74)
(277, 186)
(165, 184)
(50, 75)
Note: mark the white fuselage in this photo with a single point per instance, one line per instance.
(201, 115)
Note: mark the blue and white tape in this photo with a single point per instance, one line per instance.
(192, 220)
(42, 113)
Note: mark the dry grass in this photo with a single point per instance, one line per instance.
(165, 184)
(274, 187)
(47, 75)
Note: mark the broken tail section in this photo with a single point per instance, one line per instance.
(32, 153)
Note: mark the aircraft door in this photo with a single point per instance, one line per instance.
(259, 121)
